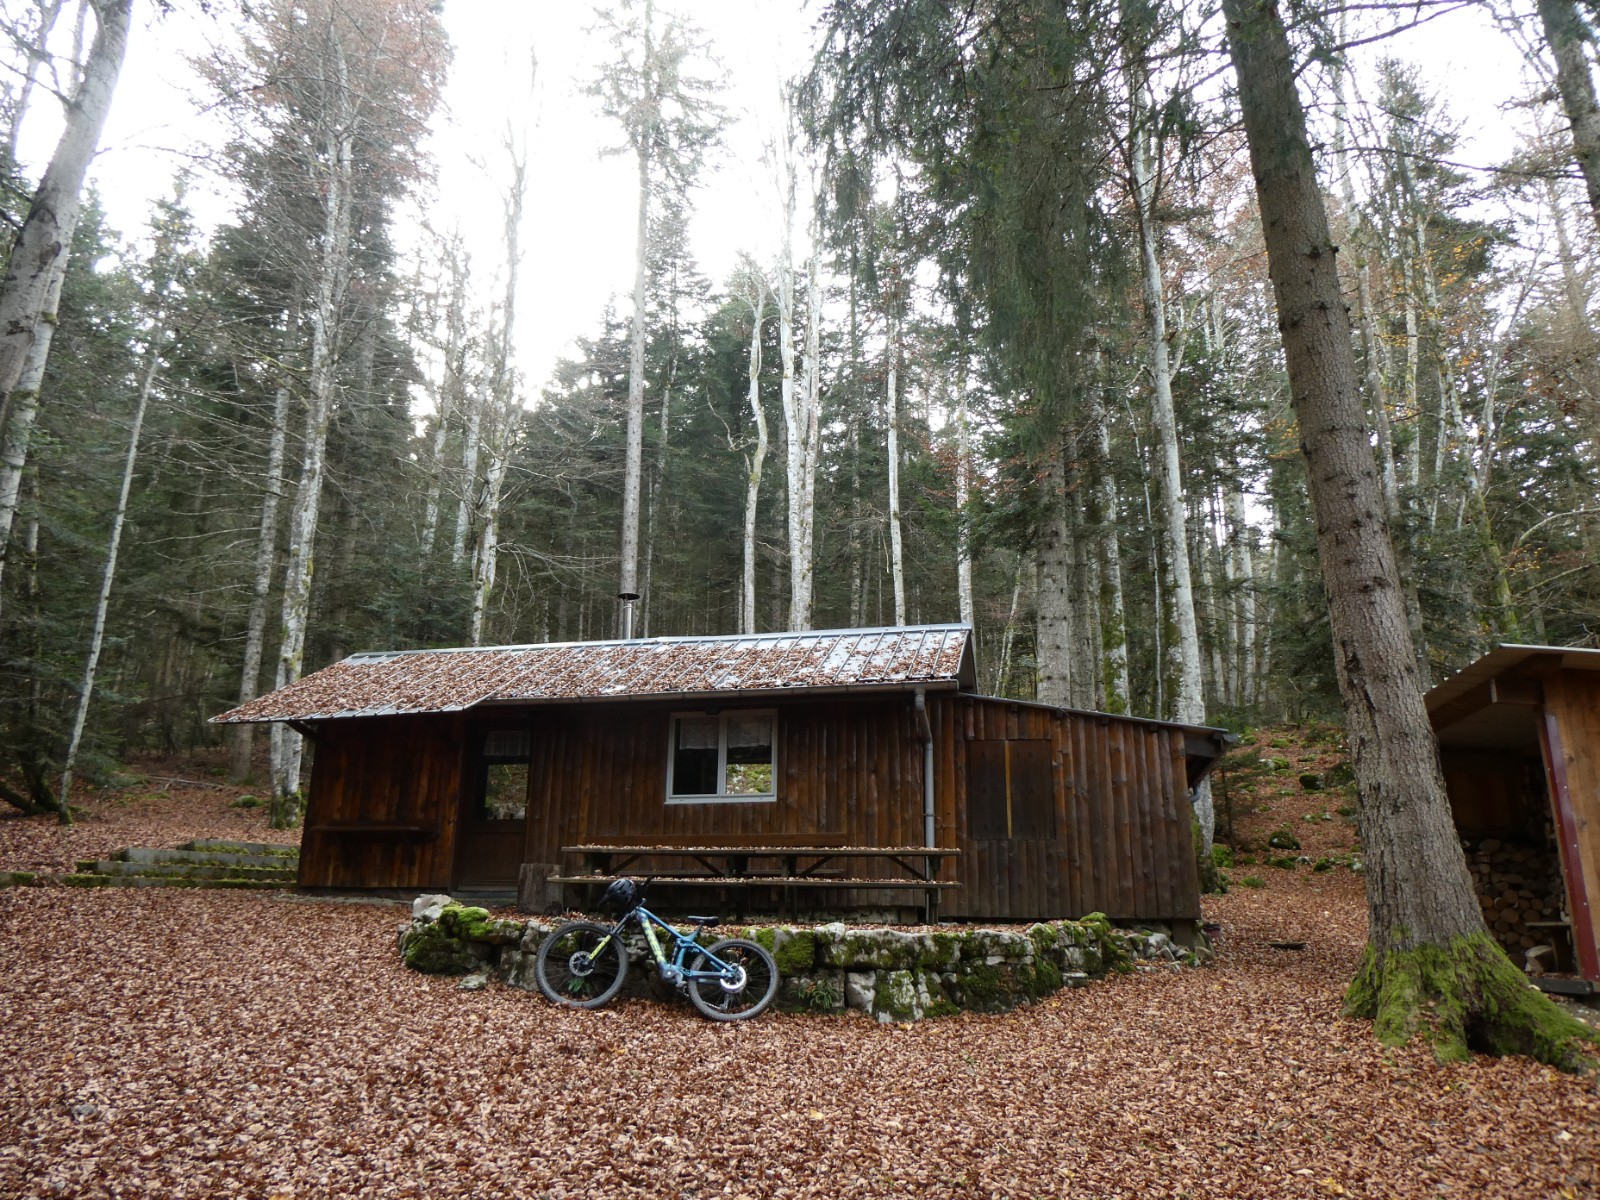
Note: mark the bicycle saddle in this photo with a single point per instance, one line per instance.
(703, 921)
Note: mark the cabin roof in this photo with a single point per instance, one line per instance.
(389, 683)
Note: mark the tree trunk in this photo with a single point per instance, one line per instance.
(891, 420)
(503, 392)
(332, 282)
(757, 461)
(1113, 626)
(97, 632)
(266, 559)
(1053, 559)
(1190, 702)
(46, 234)
(25, 403)
(1566, 35)
(633, 460)
(964, 599)
(1429, 958)
(466, 508)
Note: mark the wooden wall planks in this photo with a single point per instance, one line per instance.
(850, 771)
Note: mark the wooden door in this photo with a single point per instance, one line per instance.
(494, 808)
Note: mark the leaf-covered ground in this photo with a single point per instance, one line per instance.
(174, 1043)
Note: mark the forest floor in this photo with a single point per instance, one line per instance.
(204, 1044)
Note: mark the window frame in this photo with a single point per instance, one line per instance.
(484, 761)
(722, 716)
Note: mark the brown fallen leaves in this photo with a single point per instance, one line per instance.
(183, 1044)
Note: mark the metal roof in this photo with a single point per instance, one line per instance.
(425, 681)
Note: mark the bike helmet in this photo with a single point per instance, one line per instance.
(620, 896)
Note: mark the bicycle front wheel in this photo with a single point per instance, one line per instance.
(580, 965)
(746, 981)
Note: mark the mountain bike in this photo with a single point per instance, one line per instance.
(582, 964)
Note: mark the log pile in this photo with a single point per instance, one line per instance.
(1517, 882)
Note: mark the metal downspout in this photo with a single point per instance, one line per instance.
(925, 728)
(930, 907)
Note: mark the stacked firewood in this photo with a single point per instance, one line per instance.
(1517, 882)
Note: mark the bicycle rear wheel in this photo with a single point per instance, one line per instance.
(747, 986)
(574, 968)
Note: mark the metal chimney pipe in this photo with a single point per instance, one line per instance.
(628, 600)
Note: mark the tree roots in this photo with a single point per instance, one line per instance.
(1462, 997)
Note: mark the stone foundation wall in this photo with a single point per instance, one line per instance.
(889, 974)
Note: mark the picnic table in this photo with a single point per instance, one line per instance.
(789, 868)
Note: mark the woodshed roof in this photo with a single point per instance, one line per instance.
(423, 681)
(1495, 702)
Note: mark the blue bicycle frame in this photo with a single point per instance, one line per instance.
(674, 970)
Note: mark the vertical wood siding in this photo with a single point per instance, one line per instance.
(848, 772)
(1123, 843)
(376, 772)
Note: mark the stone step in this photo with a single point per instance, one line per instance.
(199, 858)
(170, 881)
(213, 844)
(106, 866)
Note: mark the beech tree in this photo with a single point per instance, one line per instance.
(669, 120)
(45, 233)
(340, 122)
(1430, 964)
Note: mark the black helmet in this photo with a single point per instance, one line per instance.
(620, 896)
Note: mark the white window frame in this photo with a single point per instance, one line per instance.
(721, 797)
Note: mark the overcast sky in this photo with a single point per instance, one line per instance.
(578, 231)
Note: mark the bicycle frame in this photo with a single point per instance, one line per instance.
(675, 971)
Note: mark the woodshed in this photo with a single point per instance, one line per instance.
(1519, 741)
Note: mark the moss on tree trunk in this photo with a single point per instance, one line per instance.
(1463, 997)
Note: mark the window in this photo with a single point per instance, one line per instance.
(503, 779)
(722, 756)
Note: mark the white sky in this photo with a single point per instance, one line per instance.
(578, 231)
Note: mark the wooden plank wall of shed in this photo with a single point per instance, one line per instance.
(1573, 698)
(1123, 842)
(849, 772)
(383, 771)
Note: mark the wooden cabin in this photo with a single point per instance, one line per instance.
(1519, 741)
(841, 770)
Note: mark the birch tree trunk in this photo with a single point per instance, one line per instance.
(633, 462)
(891, 418)
(18, 432)
(964, 598)
(45, 238)
(332, 282)
(261, 588)
(1429, 958)
(757, 299)
(1053, 561)
(1190, 703)
(503, 391)
(1114, 687)
(102, 605)
(451, 395)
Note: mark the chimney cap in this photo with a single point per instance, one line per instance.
(626, 596)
